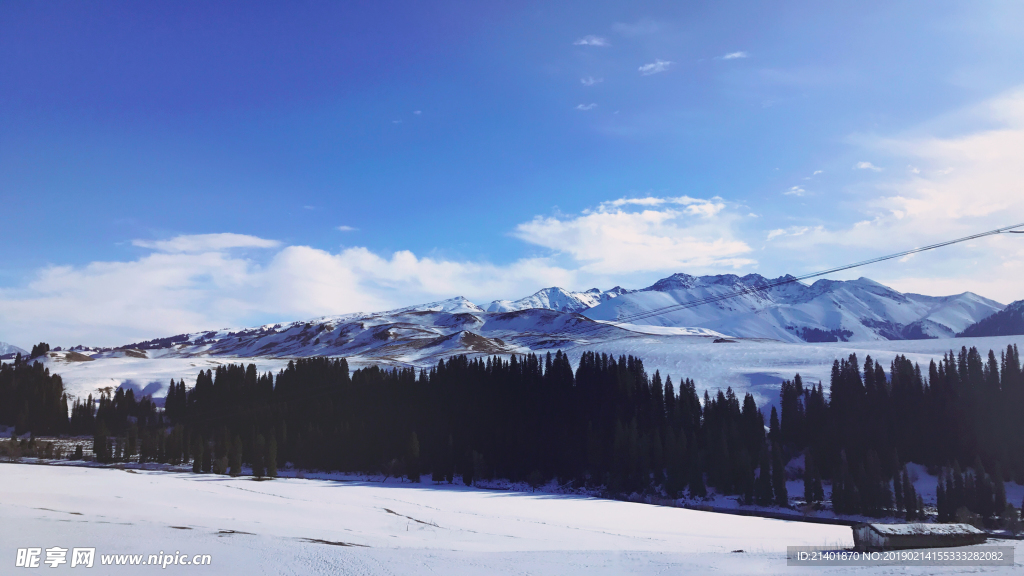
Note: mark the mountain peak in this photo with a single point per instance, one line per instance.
(456, 305)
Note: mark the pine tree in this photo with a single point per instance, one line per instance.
(258, 453)
(779, 477)
(676, 477)
(697, 487)
(235, 457)
(999, 490)
(773, 427)
(910, 497)
(197, 454)
(412, 459)
(207, 466)
(940, 501)
(897, 489)
(272, 456)
(763, 490)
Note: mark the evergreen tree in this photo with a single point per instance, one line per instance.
(999, 490)
(940, 501)
(697, 487)
(235, 457)
(272, 456)
(779, 477)
(207, 452)
(764, 492)
(813, 491)
(258, 455)
(412, 459)
(197, 454)
(909, 497)
(897, 489)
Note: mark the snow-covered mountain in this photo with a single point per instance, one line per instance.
(10, 350)
(856, 310)
(827, 310)
(560, 299)
(415, 335)
(1006, 322)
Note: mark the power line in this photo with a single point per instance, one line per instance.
(781, 282)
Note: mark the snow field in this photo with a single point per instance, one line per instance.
(297, 526)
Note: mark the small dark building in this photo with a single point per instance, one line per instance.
(898, 536)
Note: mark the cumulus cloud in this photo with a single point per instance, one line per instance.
(590, 81)
(585, 107)
(199, 282)
(735, 55)
(206, 242)
(591, 40)
(643, 234)
(867, 166)
(655, 67)
(795, 191)
(114, 303)
(344, 228)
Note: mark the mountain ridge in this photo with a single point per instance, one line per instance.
(827, 310)
(1007, 322)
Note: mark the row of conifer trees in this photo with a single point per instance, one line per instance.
(606, 423)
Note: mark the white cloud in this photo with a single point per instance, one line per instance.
(192, 283)
(344, 228)
(590, 81)
(816, 172)
(206, 243)
(584, 107)
(795, 191)
(114, 303)
(643, 234)
(867, 166)
(791, 231)
(591, 40)
(954, 186)
(655, 67)
(735, 55)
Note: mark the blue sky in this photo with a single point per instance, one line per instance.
(179, 166)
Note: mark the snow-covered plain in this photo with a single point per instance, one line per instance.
(301, 526)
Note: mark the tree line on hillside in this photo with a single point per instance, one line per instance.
(606, 423)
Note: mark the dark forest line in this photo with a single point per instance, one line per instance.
(608, 423)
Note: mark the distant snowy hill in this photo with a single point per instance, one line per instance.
(828, 310)
(558, 299)
(617, 321)
(415, 335)
(1006, 322)
(10, 350)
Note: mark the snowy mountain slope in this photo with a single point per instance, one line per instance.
(1008, 321)
(556, 298)
(415, 335)
(827, 310)
(10, 350)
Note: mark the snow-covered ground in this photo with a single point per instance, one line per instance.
(302, 526)
(756, 366)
